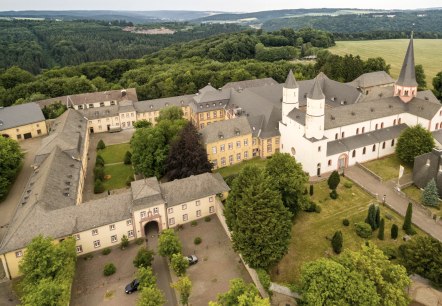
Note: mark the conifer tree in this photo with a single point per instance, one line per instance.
(407, 227)
(377, 217)
(394, 231)
(337, 242)
(371, 217)
(333, 180)
(187, 156)
(430, 195)
(381, 229)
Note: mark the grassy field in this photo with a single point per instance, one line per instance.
(114, 153)
(415, 194)
(387, 168)
(310, 230)
(427, 52)
(235, 169)
(118, 176)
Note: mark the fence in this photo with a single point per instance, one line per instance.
(377, 177)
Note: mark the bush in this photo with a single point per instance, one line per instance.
(139, 241)
(318, 209)
(345, 222)
(129, 180)
(394, 231)
(99, 173)
(348, 185)
(194, 223)
(363, 230)
(207, 218)
(124, 242)
(106, 251)
(197, 240)
(101, 145)
(109, 269)
(390, 252)
(143, 258)
(333, 180)
(311, 190)
(264, 278)
(311, 207)
(99, 161)
(333, 194)
(98, 186)
(381, 230)
(128, 158)
(229, 179)
(337, 241)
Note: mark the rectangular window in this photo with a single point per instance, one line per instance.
(269, 148)
(254, 141)
(170, 210)
(171, 221)
(276, 140)
(18, 254)
(91, 106)
(319, 149)
(214, 150)
(223, 161)
(198, 213)
(246, 154)
(79, 249)
(222, 148)
(94, 232)
(231, 159)
(77, 236)
(39, 132)
(238, 156)
(18, 136)
(214, 114)
(129, 222)
(238, 144)
(246, 142)
(215, 163)
(130, 233)
(184, 206)
(210, 199)
(201, 125)
(230, 145)
(155, 210)
(208, 115)
(185, 217)
(197, 202)
(97, 244)
(212, 209)
(202, 116)
(112, 227)
(101, 104)
(114, 238)
(143, 214)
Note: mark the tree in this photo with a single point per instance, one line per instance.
(179, 264)
(420, 77)
(378, 217)
(151, 296)
(240, 293)
(187, 156)
(258, 209)
(407, 226)
(128, 158)
(422, 255)
(170, 113)
(363, 230)
(289, 179)
(412, 142)
(124, 242)
(333, 180)
(390, 279)
(143, 258)
(184, 287)
(146, 277)
(437, 85)
(394, 231)
(14, 76)
(101, 145)
(371, 217)
(10, 161)
(430, 196)
(337, 242)
(141, 124)
(381, 230)
(327, 282)
(168, 243)
(98, 186)
(98, 172)
(45, 292)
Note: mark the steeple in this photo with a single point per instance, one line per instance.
(290, 82)
(406, 85)
(316, 92)
(314, 115)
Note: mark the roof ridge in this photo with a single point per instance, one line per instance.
(290, 82)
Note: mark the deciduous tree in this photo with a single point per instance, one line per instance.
(240, 294)
(437, 85)
(169, 243)
(151, 296)
(146, 277)
(184, 287)
(170, 113)
(179, 264)
(141, 124)
(412, 142)
(143, 258)
(10, 161)
(420, 77)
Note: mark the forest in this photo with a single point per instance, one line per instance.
(37, 45)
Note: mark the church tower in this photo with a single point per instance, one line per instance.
(290, 96)
(314, 118)
(406, 85)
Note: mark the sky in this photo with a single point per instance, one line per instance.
(209, 5)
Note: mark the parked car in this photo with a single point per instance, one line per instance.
(132, 286)
(192, 259)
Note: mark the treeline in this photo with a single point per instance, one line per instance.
(385, 35)
(37, 45)
(422, 21)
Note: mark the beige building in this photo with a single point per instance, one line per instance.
(22, 121)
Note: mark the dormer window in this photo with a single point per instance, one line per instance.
(406, 92)
(428, 162)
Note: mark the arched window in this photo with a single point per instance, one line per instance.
(329, 162)
(342, 135)
(353, 154)
(392, 142)
(374, 148)
(382, 125)
(293, 151)
(363, 129)
(357, 131)
(437, 126)
(394, 122)
(364, 150)
(399, 121)
(336, 135)
(383, 145)
(376, 126)
(406, 93)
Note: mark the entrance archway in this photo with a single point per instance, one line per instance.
(342, 161)
(151, 228)
(318, 169)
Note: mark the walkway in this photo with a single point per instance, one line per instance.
(393, 200)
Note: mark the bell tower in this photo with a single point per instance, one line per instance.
(406, 85)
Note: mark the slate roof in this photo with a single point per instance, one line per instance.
(426, 167)
(126, 106)
(209, 99)
(407, 77)
(193, 188)
(93, 97)
(18, 115)
(290, 82)
(363, 140)
(225, 129)
(250, 83)
(146, 192)
(371, 79)
(158, 104)
(438, 136)
(100, 112)
(315, 92)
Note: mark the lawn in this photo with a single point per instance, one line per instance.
(387, 168)
(415, 194)
(310, 230)
(114, 153)
(235, 169)
(426, 51)
(118, 176)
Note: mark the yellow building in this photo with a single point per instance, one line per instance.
(22, 121)
(208, 106)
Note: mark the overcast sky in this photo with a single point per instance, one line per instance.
(209, 5)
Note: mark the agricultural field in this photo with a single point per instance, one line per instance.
(427, 52)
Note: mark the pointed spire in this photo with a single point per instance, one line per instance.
(407, 76)
(316, 91)
(290, 82)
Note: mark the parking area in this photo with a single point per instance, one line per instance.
(218, 263)
(91, 287)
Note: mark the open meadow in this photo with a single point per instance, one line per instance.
(427, 52)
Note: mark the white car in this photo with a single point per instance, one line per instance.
(192, 259)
